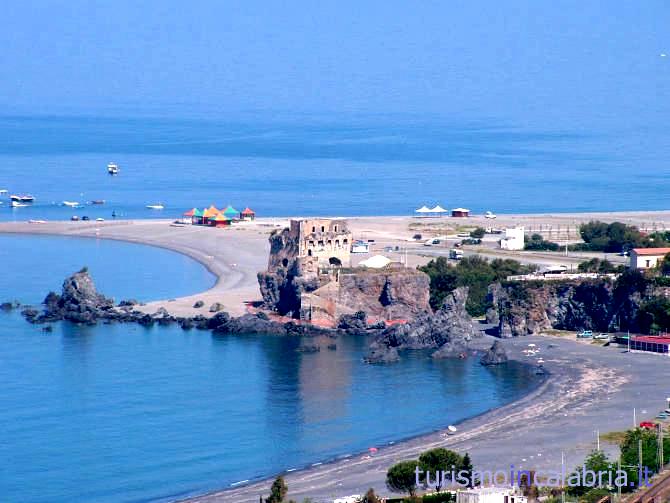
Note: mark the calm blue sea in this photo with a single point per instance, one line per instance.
(121, 413)
(323, 166)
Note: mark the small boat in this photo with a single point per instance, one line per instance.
(451, 429)
(71, 204)
(22, 198)
(3, 191)
(16, 204)
(37, 221)
(158, 206)
(98, 201)
(112, 169)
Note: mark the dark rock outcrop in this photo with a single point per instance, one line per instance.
(524, 308)
(216, 307)
(448, 331)
(78, 302)
(198, 304)
(495, 355)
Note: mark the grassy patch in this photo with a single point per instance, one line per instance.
(613, 437)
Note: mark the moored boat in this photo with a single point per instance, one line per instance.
(158, 206)
(24, 198)
(71, 204)
(16, 204)
(112, 169)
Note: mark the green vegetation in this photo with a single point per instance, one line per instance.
(277, 491)
(401, 477)
(439, 459)
(478, 233)
(537, 243)
(596, 462)
(616, 237)
(475, 273)
(600, 266)
(370, 497)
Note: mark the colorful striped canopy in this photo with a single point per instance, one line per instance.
(190, 213)
(198, 213)
(210, 212)
(230, 211)
(221, 218)
(248, 211)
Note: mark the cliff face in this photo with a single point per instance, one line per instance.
(448, 331)
(402, 293)
(524, 308)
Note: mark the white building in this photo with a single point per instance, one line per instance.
(490, 495)
(647, 258)
(513, 239)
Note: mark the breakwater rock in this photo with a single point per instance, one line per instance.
(496, 355)
(448, 331)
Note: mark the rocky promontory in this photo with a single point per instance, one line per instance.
(447, 331)
(496, 355)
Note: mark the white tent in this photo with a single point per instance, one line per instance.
(438, 209)
(423, 209)
(376, 262)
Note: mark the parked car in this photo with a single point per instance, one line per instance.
(585, 334)
(602, 336)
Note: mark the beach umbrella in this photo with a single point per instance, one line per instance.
(231, 212)
(438, 209)
(373, 449)
(423, 209)
(190, 213)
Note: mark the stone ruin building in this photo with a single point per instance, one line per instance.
(310, 277)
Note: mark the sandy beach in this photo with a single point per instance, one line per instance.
(589, 388)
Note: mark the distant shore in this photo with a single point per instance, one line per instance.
(590, 388)
(236, 254)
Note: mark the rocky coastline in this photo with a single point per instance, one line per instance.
(80, 302)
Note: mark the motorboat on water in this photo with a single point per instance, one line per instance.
(98, 201)
(112, 169)
(71, 204)
(158, 206)
(24, 198)
(3, 192)
(16, 204)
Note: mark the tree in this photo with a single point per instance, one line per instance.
(277, 491)
(370, 497)
(401, 477)
(466, 466)
(664, 266)
(478, 233)
(596, 462)
(437, 460)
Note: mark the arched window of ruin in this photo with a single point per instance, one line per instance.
(309, 253)
(284, 262)
(323, 228)
(336, 228)
(335, 261)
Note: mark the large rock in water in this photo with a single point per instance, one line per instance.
(78, 302)
(448, 331)
(495, 355)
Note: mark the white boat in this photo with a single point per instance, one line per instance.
(16, 204)
(22, 198)
(158, 206)
(490, 215)
(3, 191)
(451, 429)
(71, 204)
(112, 169)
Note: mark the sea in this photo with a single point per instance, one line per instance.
(318, 165)
(123, 413)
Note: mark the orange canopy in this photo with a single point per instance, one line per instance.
(190, 213)
(211, 212)
(248, 211)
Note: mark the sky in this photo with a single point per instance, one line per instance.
(521, 61)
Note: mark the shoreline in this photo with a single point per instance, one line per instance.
(587, 386)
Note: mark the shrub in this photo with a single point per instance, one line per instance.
(478, 233)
